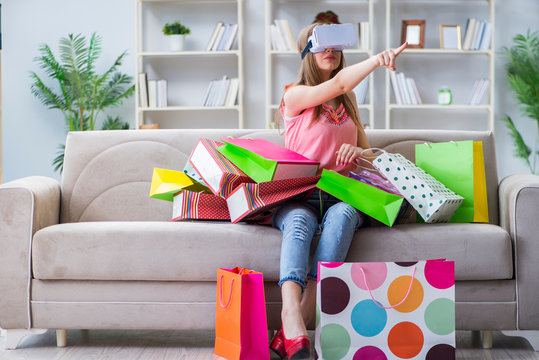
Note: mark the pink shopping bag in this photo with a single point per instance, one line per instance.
(218, 173)
(240, 318)
(264, 161)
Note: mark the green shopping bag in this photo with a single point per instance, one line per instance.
(375, 202)
(459, 165)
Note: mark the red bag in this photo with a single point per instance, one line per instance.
(250, 199)
(218, 173)
(195, 205)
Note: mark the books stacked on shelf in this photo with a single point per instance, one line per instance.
(152, 93)
(361, 91)
(223, 36)
(363, 35)
(222, 92)
(281, 36)
(404, 89)
(478, 92)
(477, 35)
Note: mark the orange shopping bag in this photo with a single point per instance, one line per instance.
(241, 330)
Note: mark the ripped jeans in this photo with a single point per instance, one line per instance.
(299, 223)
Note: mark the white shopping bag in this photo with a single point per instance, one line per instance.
(431, 199)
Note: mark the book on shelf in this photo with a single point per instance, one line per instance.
(477, 35)
(157, 93)
(281, 36)
(233, 90)
(152, 93)
(405, 89)
(361, 91)
(223, 36)
(364, 35)
(143, 89)
(479, 89)
(162, 93)
(214, 34)
(221, 92)
(218, 38)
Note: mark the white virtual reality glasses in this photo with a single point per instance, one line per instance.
(336, 36)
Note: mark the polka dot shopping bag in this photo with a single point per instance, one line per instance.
(386, 310)
(429, 197)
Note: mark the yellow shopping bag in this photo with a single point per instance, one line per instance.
(166, 183)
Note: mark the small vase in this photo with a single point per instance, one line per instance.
(176, 42)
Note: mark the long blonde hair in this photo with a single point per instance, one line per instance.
(309, 75)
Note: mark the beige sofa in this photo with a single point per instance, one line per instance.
(96, 252)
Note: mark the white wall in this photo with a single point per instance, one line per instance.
(31, 133)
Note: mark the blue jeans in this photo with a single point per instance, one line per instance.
(299, 223)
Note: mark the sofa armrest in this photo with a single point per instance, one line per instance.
(26, 205)
(519, 207)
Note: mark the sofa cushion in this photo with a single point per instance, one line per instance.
(192, 251)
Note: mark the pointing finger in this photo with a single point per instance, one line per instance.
(401, 48)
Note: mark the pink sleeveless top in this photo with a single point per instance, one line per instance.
(323, 138)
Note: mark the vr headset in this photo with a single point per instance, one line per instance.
(336, 36)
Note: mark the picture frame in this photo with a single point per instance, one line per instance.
(450, 38)
(413, 31)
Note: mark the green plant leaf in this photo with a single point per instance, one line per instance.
(114, 123)
(522, 150)
(58, 161)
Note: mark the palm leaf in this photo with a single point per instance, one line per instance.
(114, 123)
(47, 97)
(94, 50)
(522, 150)
(58, 161)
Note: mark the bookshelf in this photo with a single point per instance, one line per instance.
(188, 72)
(282, 66)
(452, 61)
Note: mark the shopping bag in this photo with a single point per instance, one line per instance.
(264, 161)
(240, 317)
(218, 173)
(250, 199)
(459, 165)
(195, 205)
(166, 183)
(429, 197)
(386, 310)
(371, 200)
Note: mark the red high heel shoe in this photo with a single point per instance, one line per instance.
(298, 347)
(277, 344)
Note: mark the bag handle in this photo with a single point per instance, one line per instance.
(221, 292)
(379, 304)
(372, 168)
(428, 144)
(242, 271)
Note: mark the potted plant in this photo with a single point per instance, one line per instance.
(81, 93)
(523, 75)
(176, 32)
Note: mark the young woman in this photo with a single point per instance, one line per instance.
(322, 123)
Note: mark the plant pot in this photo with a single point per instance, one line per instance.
(176, 42)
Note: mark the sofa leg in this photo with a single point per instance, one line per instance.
(486, 339)
(61, 338)
(15, 336)
(531, 335)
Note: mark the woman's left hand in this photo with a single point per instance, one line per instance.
(347, 154)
